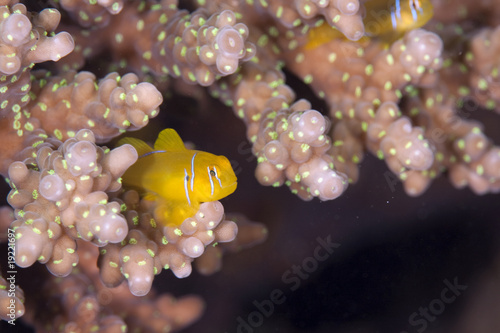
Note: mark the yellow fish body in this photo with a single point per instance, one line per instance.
(385, 20)
(178, 179)
(321, 35)
(390, 20)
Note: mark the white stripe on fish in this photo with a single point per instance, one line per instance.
(186, 176)
(192, 171)
(211, 181)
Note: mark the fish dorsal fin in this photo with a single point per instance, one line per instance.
(169, 140)
(139, 145)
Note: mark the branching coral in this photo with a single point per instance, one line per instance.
(401, 102)
(149, 247)
(11, 300)
(64, 198)
(81, 301)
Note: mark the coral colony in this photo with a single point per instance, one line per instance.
(401, 100)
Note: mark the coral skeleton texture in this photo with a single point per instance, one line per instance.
(401, 101)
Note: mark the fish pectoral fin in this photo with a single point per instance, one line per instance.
(139, 145)
(169, 140)
(173, 213)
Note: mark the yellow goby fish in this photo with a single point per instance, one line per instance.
(390, 20)
(385, 20)
(178, 179)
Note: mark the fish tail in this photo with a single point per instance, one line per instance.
(321, 35)
(139, 145)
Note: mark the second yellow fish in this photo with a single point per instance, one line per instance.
(390, 20)
(178, 179)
